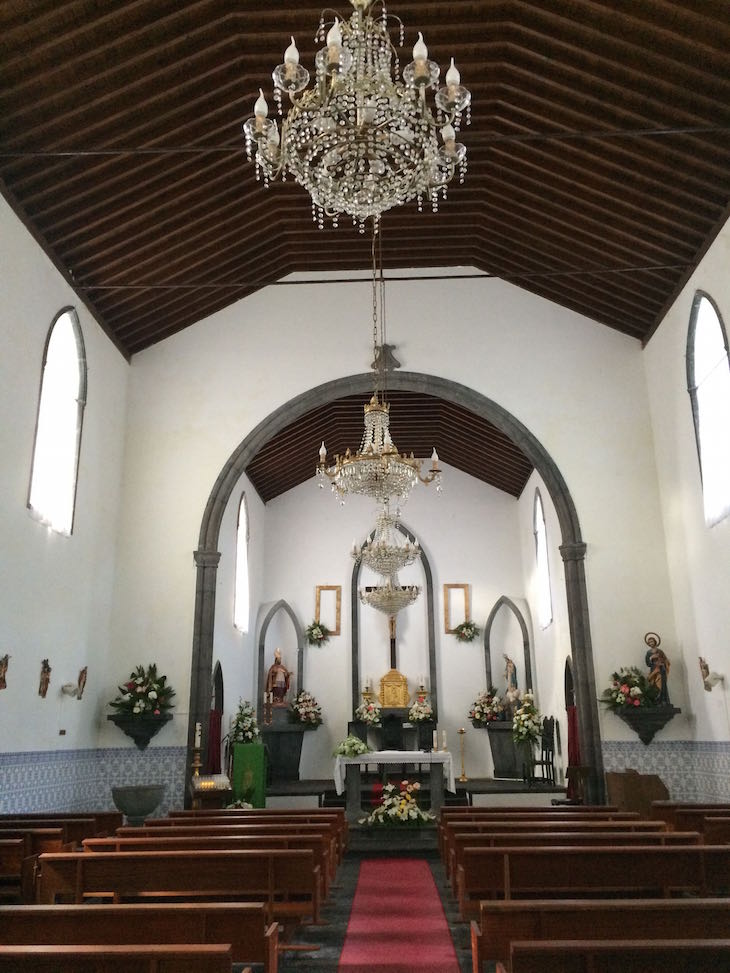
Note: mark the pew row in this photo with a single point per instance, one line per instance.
(286, 881)
(668, 811)
(606, 839)
(590, 872)
(105, 822)
(717, 831)
(502, 923)
(628, 956)
(241, 924)
(175, 958)
(319, 845)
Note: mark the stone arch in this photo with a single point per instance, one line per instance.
(355, 605)
(280, 605)
(572, 549)
(506, 602)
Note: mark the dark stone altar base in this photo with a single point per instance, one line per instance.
(325, 792)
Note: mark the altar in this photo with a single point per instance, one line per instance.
(348, 770)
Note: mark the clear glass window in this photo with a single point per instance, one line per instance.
(708, 377)
(54, 472)
(241, 594)
(544, 597)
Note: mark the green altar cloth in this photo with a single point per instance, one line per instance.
(249, 773)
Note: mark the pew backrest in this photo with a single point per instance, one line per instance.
(628, 956)
(174, 958)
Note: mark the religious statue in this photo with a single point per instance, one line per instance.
(658, 665)
(4, 662)
(45, 679)
(512, 695)
(278, 679)
(81, 685)
(510, 673)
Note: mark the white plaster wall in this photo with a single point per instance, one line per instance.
(699, 556)
(469, 534)
(578, 386)
(55, 591)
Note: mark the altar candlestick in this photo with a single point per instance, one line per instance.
(443, 740)
(435, 744)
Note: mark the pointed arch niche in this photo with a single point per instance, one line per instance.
(572, 547)
(271, 614)
(525, 680)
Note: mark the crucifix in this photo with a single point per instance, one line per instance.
(391, 625)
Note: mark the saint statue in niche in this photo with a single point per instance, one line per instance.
(658, 665)
(278, 680)
(510, 673)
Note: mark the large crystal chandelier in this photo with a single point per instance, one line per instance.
(377, 469)
(390, 597)
(362, 140)
(385, 553)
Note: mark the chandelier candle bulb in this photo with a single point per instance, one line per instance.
(420, 60)
(261, 111)
(434, 459)
(453, 79)
(291, 61)
(334, 45)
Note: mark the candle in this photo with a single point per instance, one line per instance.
(197, 736)
(291, 61)
(420, 59)
(435, 740)
(334, 45)
(443, 740)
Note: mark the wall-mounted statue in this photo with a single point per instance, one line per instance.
(278, 680)
(658, 665)
(4, 662)
(45, 679)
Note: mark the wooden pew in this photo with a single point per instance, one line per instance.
(73, 830)
(272, 813)
(610, 839)
(332, 822)
(667, 810)
(458, 810)
(628, 956)
(174, 958)
(590, 872)
(12, 853)
(535, 824)
(40, 839)
(717, 831)
(234, 830)
(286, 880)
(319, 845)
(502, 923)
(106, 822)
(242, 924)
(697, 818)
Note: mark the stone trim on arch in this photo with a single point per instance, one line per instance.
(430, 619)
(572, 548)
(504, 601)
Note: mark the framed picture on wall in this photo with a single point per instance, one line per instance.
(456, 606)
(328, 605)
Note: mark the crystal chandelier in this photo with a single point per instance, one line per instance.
(383, 552)
(390, 597)
(377, 469)
(362, 140)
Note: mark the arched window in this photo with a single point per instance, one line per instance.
(241, 595)
(708, 381)
(544, 598)
(58, 428)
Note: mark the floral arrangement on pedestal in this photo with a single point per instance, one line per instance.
(244, 727)
(486, 708)
(317, 633)
(306, 709)
(368, 712)
(144, 694)
(629, 688)
(466, 631)
(399, 807)
(421, 711)
(351, 746)
(238, 805)
(527, 722)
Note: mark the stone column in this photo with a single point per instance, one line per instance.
(583, 671)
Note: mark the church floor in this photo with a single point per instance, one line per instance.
(336, 913)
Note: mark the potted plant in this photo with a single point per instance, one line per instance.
(368, 712)
(351, 746)
(244, 726)
(526, 730)
(486, 709)
(306, 710)
(399, 808)
(143, 704)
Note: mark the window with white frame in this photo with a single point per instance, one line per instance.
(241, 593)
(544, 598)
(54, 472)
(708, 381)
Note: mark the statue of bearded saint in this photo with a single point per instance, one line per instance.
(278, 679)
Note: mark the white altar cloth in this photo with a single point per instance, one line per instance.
(397, 757)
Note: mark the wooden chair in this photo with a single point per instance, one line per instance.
(546, 761)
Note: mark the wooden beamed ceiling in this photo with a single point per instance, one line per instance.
(599, 153)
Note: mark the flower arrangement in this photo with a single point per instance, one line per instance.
(351, 746)
(420, 711)
(486, 708)
(306, 709)
(368, 712)
(629, 687)
(399, 806)
(239, 805)
(244, 728)
(317, 633)
(466, 631)
(527, 723)
(144, 694)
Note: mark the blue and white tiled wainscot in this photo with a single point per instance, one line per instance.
(81, 780)
(693, 770)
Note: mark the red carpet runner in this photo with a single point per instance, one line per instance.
(397, 923)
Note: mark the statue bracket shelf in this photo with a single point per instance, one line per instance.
(646, 721)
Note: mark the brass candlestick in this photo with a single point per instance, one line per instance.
(463, 778)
